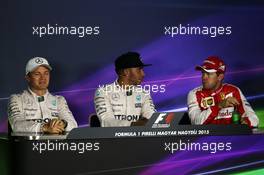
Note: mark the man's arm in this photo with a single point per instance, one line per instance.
(17, 118)
(197, 116)
(148, 107)
(248, 115)
(65, 114)
(104, 110)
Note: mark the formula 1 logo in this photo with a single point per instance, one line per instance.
(163, 120)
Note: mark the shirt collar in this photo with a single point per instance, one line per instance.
(36, 96)
(215, 91)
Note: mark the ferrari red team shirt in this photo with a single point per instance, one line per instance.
(203, 106)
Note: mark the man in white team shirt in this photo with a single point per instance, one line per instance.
(124, 102)
(35, 109)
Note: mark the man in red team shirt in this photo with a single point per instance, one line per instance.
(215, 102)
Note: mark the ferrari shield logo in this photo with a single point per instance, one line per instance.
(222, 95)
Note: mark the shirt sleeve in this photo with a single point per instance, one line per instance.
(148, 107)
(247, 113)
(65, 114)
(197, 116)
(17, 118)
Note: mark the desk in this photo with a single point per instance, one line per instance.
(37, 136)
(149, 155)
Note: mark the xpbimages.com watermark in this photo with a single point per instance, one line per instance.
(147, 88)
(211, 147)
(211, 31)
(59, 30)
(80, 147)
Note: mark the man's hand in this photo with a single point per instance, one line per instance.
(55, 126)
(228, 102)
(140, 122)
(245, 122)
